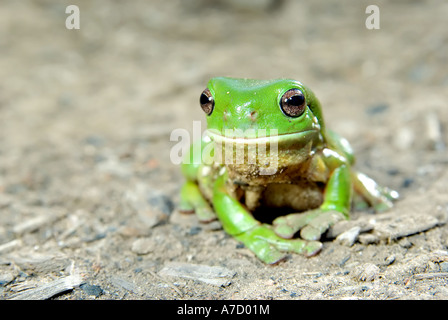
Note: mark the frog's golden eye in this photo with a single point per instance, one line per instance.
(207, 102)
(293, 103)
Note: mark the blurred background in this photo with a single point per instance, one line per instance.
(134, 68)
(86, 115)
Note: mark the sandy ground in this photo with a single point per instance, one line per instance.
(88, 193)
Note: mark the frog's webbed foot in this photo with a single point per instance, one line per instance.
(270, 248)
(259, 238)
(311, 224)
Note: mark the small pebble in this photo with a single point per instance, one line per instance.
(194, 230)
(368, 238)
(152, 207)
(404, 138)
(349, 237)
(405, 243)
(6, 278)
(91, 290)
(366, 272)
(161, 202)
(240, 245)
(407, 182)
(214, 275)
(293, 294)
(377, 108)
(143, 246)
(389, 260)
(444, 267)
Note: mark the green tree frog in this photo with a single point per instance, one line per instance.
(287, 159)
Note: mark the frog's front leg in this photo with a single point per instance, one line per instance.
(196, 174)
(336, 207)
(192, 200)
(259, 238)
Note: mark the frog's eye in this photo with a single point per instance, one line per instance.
(293, 103)
(207, 102)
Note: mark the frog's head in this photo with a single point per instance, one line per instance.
(239, 108)
(241, 111)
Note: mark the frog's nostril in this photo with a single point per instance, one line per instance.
(253, 115)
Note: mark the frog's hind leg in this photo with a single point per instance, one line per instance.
(259, 238)
(192, 200)
(379, 197)
(313, 223)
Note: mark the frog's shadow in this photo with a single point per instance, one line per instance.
(268, 215)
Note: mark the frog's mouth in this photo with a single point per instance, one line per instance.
(286, 139)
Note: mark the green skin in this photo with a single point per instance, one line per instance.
(314, 178)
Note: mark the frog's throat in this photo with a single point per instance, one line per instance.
(248, 158)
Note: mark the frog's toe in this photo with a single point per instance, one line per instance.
(391, 194)
(283, 229)
(299, 246)
(317, 226)
(268, 253)
(312, 248)
(382, 206)
(287, 226)
(272, 249)
(385, 200)
(205, 214)
(259, 241)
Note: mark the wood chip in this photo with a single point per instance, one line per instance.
(434, 129)
(364, 225)
(49, 290)
(10, 245)
(217, 276)
(349, 237)
(405, 225)
(40, 263)
(124, 284)
(7, 277)
(422, 276)
(43, 217)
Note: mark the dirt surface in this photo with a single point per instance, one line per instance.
(88, 193)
